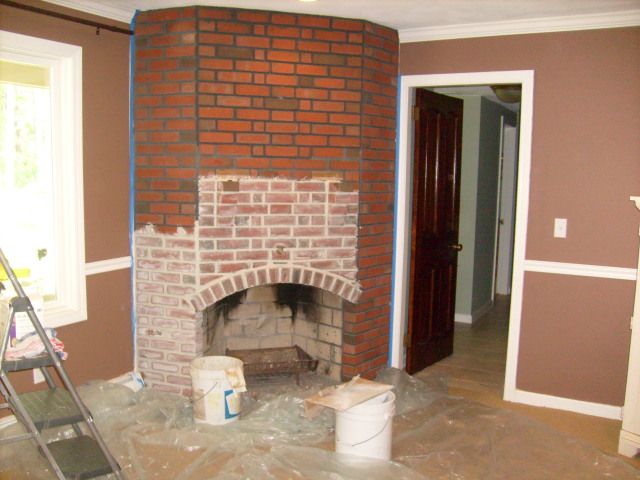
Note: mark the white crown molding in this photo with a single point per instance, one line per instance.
(580, 270)
(96, 8)
(110, 265)
(628, 18)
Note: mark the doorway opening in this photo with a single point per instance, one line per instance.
(460, 173)
(487, 205)
(408, 86)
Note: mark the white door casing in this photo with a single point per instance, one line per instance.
(408, 84)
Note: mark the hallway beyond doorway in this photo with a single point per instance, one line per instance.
(479, 351)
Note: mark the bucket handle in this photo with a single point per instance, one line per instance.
(194, 400)
(389, 417)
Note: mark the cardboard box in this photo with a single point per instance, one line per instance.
(21, 325)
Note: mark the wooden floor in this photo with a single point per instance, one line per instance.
(476, 371)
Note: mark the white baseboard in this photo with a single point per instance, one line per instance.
(7, 421)
(475, 316)
(628, 444)
(481, 311)
(567, 404)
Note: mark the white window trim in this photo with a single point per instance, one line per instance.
(65, 62)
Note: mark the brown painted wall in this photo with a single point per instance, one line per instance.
(575, 348)
(585, 165)
(100, 347)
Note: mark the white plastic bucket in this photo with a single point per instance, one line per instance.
(365, 429)
(217, 382)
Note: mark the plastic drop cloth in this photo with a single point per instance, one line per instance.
(435, 436)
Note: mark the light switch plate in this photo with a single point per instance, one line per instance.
(560, 228)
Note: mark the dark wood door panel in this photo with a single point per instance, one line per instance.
(435, 216)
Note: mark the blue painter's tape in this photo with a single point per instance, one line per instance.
(132, 56)
(395, 225)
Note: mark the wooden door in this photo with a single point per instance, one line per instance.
(434, 233)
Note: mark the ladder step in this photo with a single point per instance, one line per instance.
(51, 408)
(42, 360)
(79, 457)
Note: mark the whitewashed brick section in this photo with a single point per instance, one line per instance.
(169, 333)
(248, 223)
(287, 273)
(250, 232)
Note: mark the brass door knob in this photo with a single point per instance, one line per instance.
(456, 246)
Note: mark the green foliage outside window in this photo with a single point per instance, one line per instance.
(26, 186)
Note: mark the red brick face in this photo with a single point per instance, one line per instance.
(266, 94)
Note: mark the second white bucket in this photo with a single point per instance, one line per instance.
(365, 429)
(217, 382)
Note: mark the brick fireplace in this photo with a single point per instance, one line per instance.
(264, 155)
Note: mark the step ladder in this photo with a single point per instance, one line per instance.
(79, 457)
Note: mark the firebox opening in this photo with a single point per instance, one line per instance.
(222, 308)
(278, 316)
(295, 295)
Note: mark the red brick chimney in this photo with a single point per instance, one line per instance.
(225, 95)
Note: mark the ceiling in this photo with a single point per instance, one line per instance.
(417, 19)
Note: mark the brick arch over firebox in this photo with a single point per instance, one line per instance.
(272, 274)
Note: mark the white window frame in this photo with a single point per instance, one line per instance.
(65, 64)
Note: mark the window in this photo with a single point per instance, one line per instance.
(41, 194)
(26, 174)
